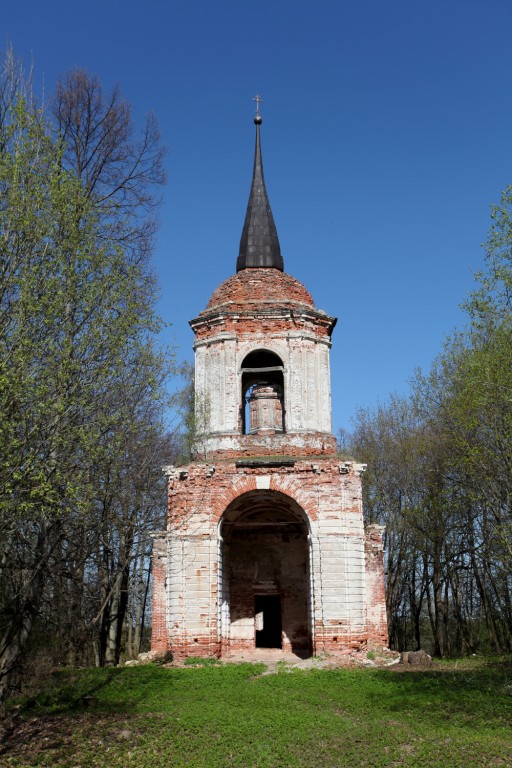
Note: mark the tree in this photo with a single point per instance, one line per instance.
(79, 363)
(440, 475)
(119, 172)
(490, 304)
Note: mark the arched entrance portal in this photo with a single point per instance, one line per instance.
(265, 574)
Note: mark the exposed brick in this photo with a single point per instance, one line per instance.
(284, 527)
(251, 286)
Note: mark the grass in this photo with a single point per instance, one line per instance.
(457, 715)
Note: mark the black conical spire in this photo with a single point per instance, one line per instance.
(259, 244)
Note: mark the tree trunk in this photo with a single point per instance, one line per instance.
(140, 624)
(18, 630)
(111, 646)
(438, 609)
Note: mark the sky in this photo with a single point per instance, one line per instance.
(386, 136)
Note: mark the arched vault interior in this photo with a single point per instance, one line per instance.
(265, 573)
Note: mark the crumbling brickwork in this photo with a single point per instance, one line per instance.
(263, 309)
(376, 598)
(265, 545)
(320, 501)
(270, 518)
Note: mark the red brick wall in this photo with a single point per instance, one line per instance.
(258, 302)
(159, 634)
(376, 597)
(258, 308)
(290, 444)
(259, 284)
(199, 495)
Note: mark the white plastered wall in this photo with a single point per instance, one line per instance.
(306, 378)
(192, 586)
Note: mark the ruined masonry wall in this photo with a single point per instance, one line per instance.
(262, 284)
(261, 309)
(198, 496)
(218, 384)
(376, 613)
(330, 581)
(159, 621)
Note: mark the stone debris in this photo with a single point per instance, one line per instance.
(416, 658)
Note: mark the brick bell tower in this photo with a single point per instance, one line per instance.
(265, 545)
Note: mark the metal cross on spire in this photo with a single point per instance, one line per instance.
(258, 101)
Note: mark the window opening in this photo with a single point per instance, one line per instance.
(262, 407)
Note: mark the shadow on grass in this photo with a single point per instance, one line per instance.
(479, 693)
(133, 689)
(482, 694)
(73, 691)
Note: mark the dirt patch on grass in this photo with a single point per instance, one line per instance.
(32, 736)
(405, 668)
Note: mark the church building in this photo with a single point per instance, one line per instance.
(265, 545)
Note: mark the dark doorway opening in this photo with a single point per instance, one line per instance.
(267, 612)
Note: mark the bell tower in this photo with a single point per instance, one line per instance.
(265, 544)
(262, 377)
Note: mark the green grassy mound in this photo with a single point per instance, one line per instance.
(220, 716)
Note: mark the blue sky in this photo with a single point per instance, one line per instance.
(387, 134)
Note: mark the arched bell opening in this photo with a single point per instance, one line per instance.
(262, 407)
(265, 579)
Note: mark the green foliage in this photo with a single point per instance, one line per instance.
(195, 415)
(440, 476)
(201, 661)
(490, 304)
(81, 378)
(74, 314)
(455, 716)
